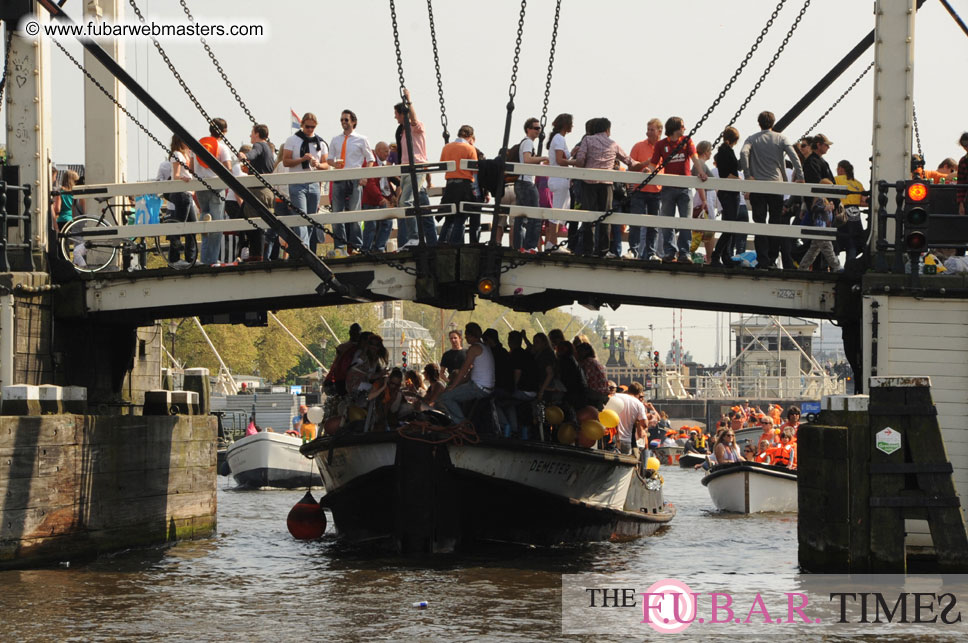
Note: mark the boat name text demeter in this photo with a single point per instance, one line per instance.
(542, 466)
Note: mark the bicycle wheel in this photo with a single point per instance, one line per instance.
(179, 252)
(87, 254)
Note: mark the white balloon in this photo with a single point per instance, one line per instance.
(314, 414)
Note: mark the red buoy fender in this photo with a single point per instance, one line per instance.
(306, 519)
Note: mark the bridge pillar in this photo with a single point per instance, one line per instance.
(893, 94)
(105, 140)
(28, 130)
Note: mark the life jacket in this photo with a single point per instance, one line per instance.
(763, 458)
(210, 143)
(784, 455)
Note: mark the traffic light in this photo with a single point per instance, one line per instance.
(655, 360)
(915, 217)
(490, 275)
(403, 356)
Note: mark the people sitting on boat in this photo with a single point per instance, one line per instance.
(763, 453)
(596, 382)
(251, 429)
(670, 439)
(426, 398)
(749, 453)
(792, 420)
(571, 376)
(767, 425)
(785, 455)
(369, 365)
(474, 380)
(524, 388)
(726, 449)
(692, 445)
(631, 417)
(388, 404)
(297, 421)
(736, 418)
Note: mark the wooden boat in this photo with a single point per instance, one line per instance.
(417, 493)
(751, 487)
(690, 460)
(669, 455)
(268, 459)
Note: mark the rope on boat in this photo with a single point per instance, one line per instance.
(430, 433)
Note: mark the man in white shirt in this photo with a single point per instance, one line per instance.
(350, 150)
(212, 202)
(302, 152)
(630, 417)
(527, 231)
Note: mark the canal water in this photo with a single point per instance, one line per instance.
(253, 582)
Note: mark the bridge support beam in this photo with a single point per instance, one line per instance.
(893, 94)
(105, 134)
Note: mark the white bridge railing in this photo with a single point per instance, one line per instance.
(654, 221)
(768, 386)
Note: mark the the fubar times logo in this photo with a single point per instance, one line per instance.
(670, 606)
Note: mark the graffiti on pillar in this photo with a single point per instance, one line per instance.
(21, 132)
(20, 70)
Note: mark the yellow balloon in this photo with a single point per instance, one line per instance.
(356, 413)
(608, 418)
(652, 463)
(592, 430)
(567, 433)
(554, 415)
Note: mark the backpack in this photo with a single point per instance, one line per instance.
(513, 155)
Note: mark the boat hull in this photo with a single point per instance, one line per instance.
(416, 498)
(749, 487)
(690, 460)
(668, 455)
(270, 460)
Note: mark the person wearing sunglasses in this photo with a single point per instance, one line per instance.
(350, 150)
(305, 151)
(726, 449)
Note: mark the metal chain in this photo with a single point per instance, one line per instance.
(551, 66)
(253, 172)
(218, 66)
(766, 72)
(513, 88)
(837, 102)
(396, 44)
(440, 84)
(917, 132)
(6, 60)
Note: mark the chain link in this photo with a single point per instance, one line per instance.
(513, 88)
(218, 66)
(837, 102)
(253, 172)
(551, 66)
(396, 45)
(917, 131)
(440, 84)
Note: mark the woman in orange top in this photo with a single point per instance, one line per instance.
(768, 435)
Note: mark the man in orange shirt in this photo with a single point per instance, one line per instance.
(460, 183)
(645, 200)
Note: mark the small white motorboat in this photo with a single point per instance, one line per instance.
(751, 487)
(268, 459)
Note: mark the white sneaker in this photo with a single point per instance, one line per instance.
(611, 255)
(181, 264)
(410, 243)
(563, 251)
(655, 258)
(244, 255)
(630, 254)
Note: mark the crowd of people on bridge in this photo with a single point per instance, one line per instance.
(765, 155)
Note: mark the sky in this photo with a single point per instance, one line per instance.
(627, 60)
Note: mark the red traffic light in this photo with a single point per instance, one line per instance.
(656, 354)
(917, 191)
(915, 242)
(404, 353)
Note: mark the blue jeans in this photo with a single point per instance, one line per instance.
(407, 228)
(346, 197)
(526, 231)
(643, 203)
(450, 400)
(305, 197)
(739, 240)
(507, 409)
(210, 202)
(376, 233)
(675, 199)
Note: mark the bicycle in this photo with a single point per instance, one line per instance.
(95, 252)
